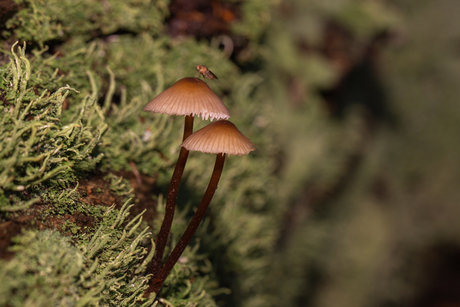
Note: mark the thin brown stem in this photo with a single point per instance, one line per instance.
(170, 208)
(192, 227)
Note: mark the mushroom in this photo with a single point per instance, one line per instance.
(190, 97)
(220, 137)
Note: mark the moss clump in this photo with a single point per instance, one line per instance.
(36, 143)
(44, 261)
(115, 58)
(101, 269)
(104, 268)
(43, 21)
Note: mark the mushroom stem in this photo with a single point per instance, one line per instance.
(192, 227)
(163, 235)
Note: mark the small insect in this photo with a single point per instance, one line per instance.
(206, 72)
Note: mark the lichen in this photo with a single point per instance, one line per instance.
(99, 270)
(36, 144)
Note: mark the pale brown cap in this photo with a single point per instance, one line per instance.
(219, 137)
(189, 96)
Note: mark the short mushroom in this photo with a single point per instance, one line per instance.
(220, 137)
(190, 97)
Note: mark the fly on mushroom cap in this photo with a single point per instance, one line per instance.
(221, 136)
(189, 96)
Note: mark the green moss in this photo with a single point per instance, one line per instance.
(65, 201)
(119, 185)
(36, 144)
(98, 119)
(106, 268)
(48, 271)
(54, 139)
(43, 273)
(45, 20)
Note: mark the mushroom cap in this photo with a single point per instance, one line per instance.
(189, 96)
(219, 137)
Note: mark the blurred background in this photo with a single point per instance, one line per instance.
(372, 217)
(352, 197)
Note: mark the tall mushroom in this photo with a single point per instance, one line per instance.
(220, 137)
(190, 97)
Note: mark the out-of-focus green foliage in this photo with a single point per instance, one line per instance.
(314, 148)
(45, 20)
(257, 16)
(385, 234)
(45, 261)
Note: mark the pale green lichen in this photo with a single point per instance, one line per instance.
(62, 202)
(35, 143)
(105, 269)
(119, 185)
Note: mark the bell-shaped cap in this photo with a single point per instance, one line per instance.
(189, 96)
(219, 137)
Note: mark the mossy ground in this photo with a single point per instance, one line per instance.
(75, 146)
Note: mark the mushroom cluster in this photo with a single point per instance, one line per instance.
(192, 97)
